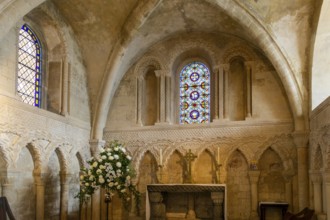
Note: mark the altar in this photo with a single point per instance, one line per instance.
(186, 201)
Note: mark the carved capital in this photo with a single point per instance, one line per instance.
(160, 73)
(39, 178)
(225, 67)
(300, 138)
(254, 176)
(96, 145)
(316, 177)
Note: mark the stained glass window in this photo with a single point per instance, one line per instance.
(194, 94)
(29, 67)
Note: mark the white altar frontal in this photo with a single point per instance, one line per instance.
(186, 201)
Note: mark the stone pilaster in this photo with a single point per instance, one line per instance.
(226, 71)
(65, 87)
(249, 69)
(216, 93)
(139, 99)
(218, 210)
(301, 140)
(162, 96)
(254, 178)
(157, 208)
(168, 88)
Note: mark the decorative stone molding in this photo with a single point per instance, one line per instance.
(238, 51)
(145, 63)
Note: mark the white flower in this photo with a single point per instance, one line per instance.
(102, 167)
(101, 180)
(116, 149)
(81, 177)
(123, 150)
(86, 184)
(110, 184)
(116, 156)
(100, 160)
(111, 158)
(95, 164)
(109, 154)
(123, 190)
(108, 149)
(98, 171)
(128, 177)
(91, 178)
(118, 187)
(101, 149)
(104, 157)
(118, 164)
(129, 157)
(116, 183)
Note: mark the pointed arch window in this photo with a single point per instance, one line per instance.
(29, 67)
(195, 94)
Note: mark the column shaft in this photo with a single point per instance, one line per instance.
(226, 90)
(254, 178)
(139, 92)
(65, 81)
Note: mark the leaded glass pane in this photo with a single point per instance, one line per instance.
(194, 94)
(29, 67)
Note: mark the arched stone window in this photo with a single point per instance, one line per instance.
(29, 71)
(194, 94)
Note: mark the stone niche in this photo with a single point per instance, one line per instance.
(186, 201)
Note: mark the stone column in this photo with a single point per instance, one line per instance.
(139, 99)
(254, 178)
(157, 208)
(216, 93)
(96, 199)
(248, 67)
(218, 209)
(226, 68)
(301, 140)
(161, 80)
(168, 98)
(65, 83)
(39, 180)
(65, 179)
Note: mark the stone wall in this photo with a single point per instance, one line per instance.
(319, 159)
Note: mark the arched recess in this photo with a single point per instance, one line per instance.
(174, 168)
(271, 184)
(147, 175)
(53, 182)
(205, 168)
(56, 66)
(149, 86)
(24, 189)
(238, 186)
(254, 27)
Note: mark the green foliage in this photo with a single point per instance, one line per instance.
(112, 171)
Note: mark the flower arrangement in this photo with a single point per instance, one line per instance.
(111, 171)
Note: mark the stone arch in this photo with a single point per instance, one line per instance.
(81, 160)
(237, 51)
(146, 63)
(37, 159)
(62, 160)
(139, 157)
(225, 162)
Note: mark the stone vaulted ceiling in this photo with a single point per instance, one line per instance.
(113, 34)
